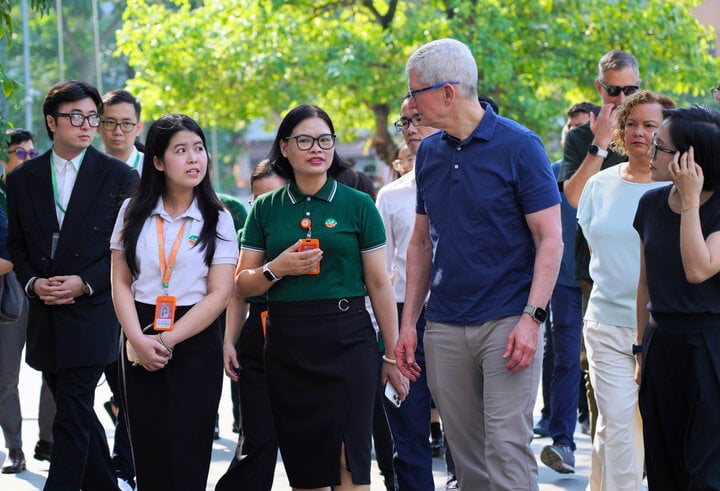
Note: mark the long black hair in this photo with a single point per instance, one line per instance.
(297, 115)
(152, 187)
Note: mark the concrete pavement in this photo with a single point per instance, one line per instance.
(223, 449)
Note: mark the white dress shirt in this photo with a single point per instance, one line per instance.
(396, 204)
(66, 172)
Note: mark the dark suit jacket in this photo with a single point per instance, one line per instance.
(86, 332)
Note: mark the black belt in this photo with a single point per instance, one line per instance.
(318, 307)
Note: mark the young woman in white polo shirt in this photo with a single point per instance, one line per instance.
(173, 257)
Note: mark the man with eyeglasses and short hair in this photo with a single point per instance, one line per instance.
(121, 126)
(61, 212)
(486, 245)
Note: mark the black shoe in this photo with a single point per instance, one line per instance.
(542, 428)
(437, 445)
(43, 450)
(16, 458)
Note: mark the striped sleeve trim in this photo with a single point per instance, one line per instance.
(251, 248)
(373, 248)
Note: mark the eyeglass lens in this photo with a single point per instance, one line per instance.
(125, 126)
(306, 142)
(23, 154)
(77, 119)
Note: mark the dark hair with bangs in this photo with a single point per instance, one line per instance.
(152, 187)
(699, 127)
(297, 115)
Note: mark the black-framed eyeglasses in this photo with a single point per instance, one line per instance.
(655, 147)
(614, 90)
(404, 123)
(23, 154)
(306, 142)
(714, 91)
(111, 124)
(414, 93)
(77, 119)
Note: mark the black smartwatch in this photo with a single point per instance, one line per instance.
(636, 349)
(269, 275)
(538, 315)
(595, 150)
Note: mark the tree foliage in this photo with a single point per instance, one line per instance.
(226, 62)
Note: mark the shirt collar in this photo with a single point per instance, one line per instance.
(59, 162)
(192, 212)
(326, 193)
(483, 131)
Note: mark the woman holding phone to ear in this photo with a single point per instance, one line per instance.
(321, 352)
(678, 304)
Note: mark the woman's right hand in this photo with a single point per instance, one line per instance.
(230, 361)
(293, 262)
(151, 354)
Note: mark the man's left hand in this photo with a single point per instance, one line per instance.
(65, 289)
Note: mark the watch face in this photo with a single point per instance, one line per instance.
(540, 314)
(593, 149)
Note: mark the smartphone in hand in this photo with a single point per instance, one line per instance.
(308, 244)
(392, 395)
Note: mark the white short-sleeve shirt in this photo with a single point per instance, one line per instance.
(188, 282)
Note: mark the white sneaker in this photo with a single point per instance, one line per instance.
(124, 485)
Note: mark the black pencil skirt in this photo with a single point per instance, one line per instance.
(321, 367)
(171, 412)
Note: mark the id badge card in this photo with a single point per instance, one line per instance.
(263, 322)
(164, 313)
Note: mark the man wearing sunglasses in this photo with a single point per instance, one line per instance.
(61, 212)
(586, 148)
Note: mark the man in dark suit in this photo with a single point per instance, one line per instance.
(61, 209)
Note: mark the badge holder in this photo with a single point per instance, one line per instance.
(164, 313)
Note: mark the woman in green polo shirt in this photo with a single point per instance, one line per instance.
(320, 353)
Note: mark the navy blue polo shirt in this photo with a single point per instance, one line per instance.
(476, 194)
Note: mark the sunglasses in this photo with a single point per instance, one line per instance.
(23, 154)
(614, 90)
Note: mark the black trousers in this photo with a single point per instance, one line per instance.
(171, 412)
(259, 450)
(679, 402)
(80, 458)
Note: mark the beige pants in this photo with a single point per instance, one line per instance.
(486, 409)
(617, 454)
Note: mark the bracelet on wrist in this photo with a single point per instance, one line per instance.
(162, 341)
(389, 360)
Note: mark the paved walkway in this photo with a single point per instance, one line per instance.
(223, 449)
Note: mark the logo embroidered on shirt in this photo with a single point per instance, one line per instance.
(330, 223)
(192, 240)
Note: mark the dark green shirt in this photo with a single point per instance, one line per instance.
(236, 209)
(344, 220)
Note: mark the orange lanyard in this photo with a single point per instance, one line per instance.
(166, 268)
